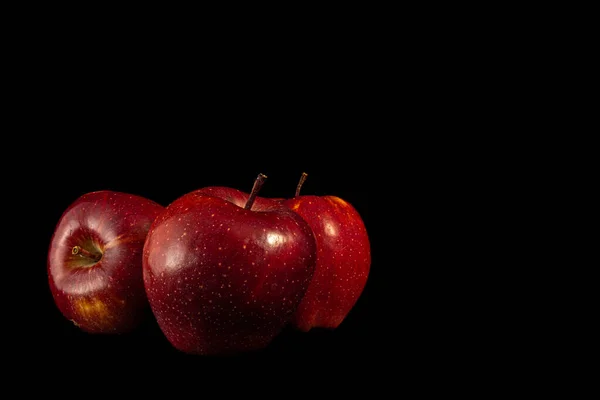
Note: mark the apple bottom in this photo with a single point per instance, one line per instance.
(225, 308)
(234, 336)
(103, 313)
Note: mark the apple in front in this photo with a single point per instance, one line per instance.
(95, 261)
(343, 259)
(224, 271)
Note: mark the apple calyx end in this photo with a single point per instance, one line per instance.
(79, 251)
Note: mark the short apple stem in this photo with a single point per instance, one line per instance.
(302, 179)
(84, 253)
(260, 180)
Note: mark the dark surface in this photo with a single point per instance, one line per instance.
(163, 172)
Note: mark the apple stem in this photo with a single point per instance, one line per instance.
(260, 180)
(84, 253)
(302, 179)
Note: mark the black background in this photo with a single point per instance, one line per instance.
(417, 134)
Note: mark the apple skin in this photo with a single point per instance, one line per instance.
(106, 296)
(343, 260)
(221, 279)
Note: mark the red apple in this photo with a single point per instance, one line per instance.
(95, 261)
(343, 259)
(224, 271)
